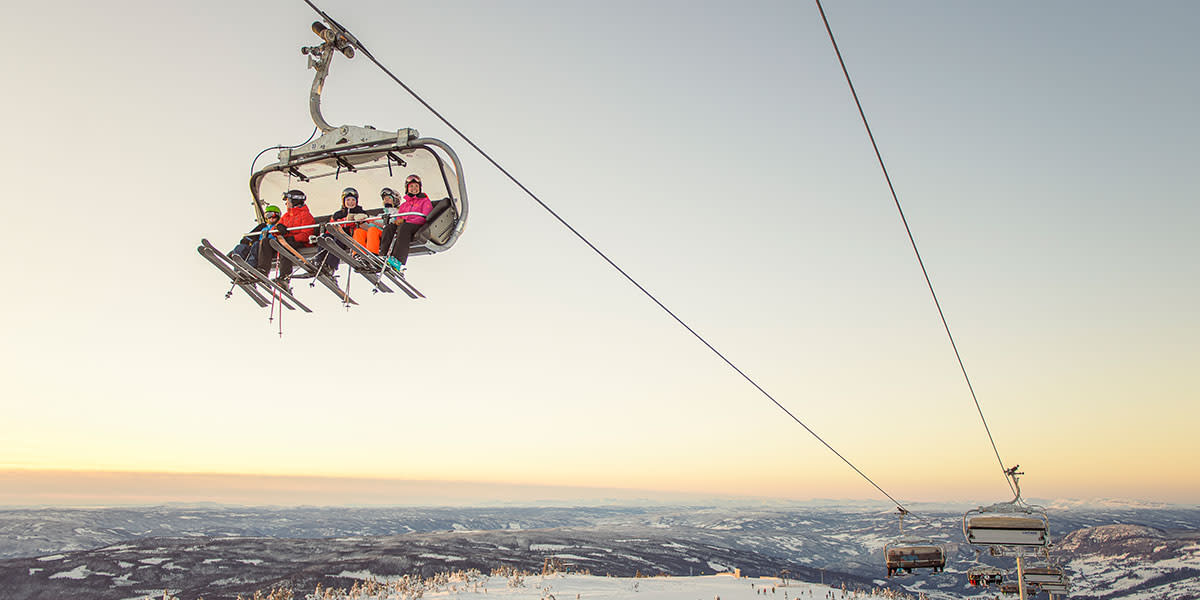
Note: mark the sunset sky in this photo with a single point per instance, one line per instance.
(1045, 156)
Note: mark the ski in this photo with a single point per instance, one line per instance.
(398, 278)
(274, 286)
(245, 283)
(380, 263)
(245, 272)
(287, 251)
(364, 268)
(377, 264)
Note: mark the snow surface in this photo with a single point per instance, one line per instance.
(80, 572)
(1119, 573)
(444, 557)
(591, 587)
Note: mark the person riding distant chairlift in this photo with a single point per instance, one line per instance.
(399, 233)
(370, 233)
(248, 247)
(297, 216)
(350, 211)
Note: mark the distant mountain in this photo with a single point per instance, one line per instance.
(1124, 561)
(218, 552)
(48, 531)
(1110, 504)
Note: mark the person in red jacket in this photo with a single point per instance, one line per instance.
(297, 216)
(399, 233)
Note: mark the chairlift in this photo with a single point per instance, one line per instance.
(1012, 589)
(1045, 574)
(984, 576)
(905, 554)
(365, 158)
(1008, 524)
(1063, 587)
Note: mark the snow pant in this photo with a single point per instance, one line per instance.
(398, 237)
(327, 258)
(267, 255)
(249, 252)
(369, 237)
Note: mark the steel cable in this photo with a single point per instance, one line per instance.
(913, 241)
(358, 44)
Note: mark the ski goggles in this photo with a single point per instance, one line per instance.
(412, 179)
(296, 195)
(272, 214)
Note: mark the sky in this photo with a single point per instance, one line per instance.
(1043, 154)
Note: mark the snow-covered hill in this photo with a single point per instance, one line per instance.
(219, 552)
(1132, 561)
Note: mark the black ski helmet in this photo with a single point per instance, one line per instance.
(388, 192)
(296, 196)
(349, 193)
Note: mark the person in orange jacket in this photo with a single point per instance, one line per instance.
(370, 233)
(297, 216)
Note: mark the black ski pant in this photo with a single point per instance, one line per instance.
(266, 257)
(327, 258)
(398, 237)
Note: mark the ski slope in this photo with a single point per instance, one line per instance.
(592, 587)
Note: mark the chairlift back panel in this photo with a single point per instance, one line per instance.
(915, 557)
(1057, 588)
(1006, 525)
(1044, 575)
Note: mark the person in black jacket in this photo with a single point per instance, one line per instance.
(350, 211)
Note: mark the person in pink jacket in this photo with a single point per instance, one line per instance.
(399, 233)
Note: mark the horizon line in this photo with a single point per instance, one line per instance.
(44, 487)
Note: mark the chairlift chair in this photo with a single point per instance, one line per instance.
(1063, 587)
(984, 576)
(1043, 575)
(366, 159)
(1008, 524)
(1012, 589)
(369, 160)
(905, 554)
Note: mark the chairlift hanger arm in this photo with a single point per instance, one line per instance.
(1012, 474)
(333, 39)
